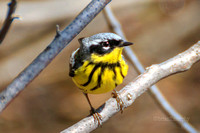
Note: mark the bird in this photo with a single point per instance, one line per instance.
(98, 66)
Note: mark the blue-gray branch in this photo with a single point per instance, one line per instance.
(61, 40)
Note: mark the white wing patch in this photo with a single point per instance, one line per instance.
(72, 59)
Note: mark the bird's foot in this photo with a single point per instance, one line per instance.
(97, 117)
(120, 102)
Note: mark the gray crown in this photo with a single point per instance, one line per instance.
(101, 37)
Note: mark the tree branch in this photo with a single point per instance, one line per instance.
(9, 19)
(154, 90)
(134, 89)
(53, 49)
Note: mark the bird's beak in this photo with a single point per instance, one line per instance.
(123, 44)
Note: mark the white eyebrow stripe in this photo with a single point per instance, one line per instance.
(96, 42)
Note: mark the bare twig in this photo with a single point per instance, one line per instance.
(9, 19)
(59, 42)
(130, 92)
(158, 96)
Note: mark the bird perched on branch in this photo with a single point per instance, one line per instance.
(98, 66)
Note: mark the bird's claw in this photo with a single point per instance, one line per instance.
(97, 117)
(120, 102)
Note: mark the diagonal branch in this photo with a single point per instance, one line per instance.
(157, 95)
(9, 19)
(134, 89)
(60, 41)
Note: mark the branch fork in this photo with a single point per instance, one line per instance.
(9, 19)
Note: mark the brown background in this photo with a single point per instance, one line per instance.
(52, 102)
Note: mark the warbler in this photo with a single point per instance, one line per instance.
(98, 65)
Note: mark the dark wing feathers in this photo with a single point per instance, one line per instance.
(72, 63)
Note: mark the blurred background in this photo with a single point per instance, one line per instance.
(160, 29)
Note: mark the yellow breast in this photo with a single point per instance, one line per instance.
(101, 74)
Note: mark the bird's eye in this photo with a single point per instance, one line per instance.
(105, 44)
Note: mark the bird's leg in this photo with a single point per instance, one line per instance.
(120, 102)
(93, 112)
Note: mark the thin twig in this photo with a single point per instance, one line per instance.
(157, 95)
(134, 89)
(59, 42)
(9, 19)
